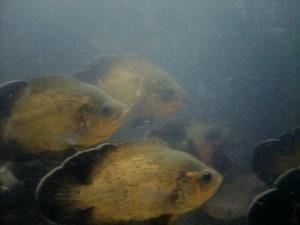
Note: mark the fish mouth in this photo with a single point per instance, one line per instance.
(218, 182)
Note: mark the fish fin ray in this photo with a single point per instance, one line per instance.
(54, 192)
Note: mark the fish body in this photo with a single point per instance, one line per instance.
(280, 204)
(273, 157)
(135, 81)
(129, 182)
(55, 113)
(207, 141)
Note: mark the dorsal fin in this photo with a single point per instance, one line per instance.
(9, 92)
(290, 182)
(273, 206)
(96, 69)
(151, 142)
(51, 81)
(53, 192)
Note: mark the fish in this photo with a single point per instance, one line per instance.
(273, 157)
(54, 113)
(205, 140)
(135, 81)
(134, 181)
(279, 204)
(210, 139)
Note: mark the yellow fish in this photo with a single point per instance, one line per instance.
(205, 140)
(136, 82)
(55, 113)
(138, 181)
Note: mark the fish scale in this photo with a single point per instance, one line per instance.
(138, 180)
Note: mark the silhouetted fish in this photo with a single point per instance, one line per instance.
(273, 157)
(279, 205)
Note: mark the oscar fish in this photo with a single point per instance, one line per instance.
(132, 182)
(135, 81)
(55, 113)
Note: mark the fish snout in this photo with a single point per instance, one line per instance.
(210, 178)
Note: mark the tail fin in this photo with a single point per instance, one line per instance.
(54, 194)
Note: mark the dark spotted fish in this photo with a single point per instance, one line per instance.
(132, 182)
(55, 113)
(135, 81)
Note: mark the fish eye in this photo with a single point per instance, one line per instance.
(206, 176)
(106, 111)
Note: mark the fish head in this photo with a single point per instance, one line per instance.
(98, 117)
(196, 185)
(165, 95)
